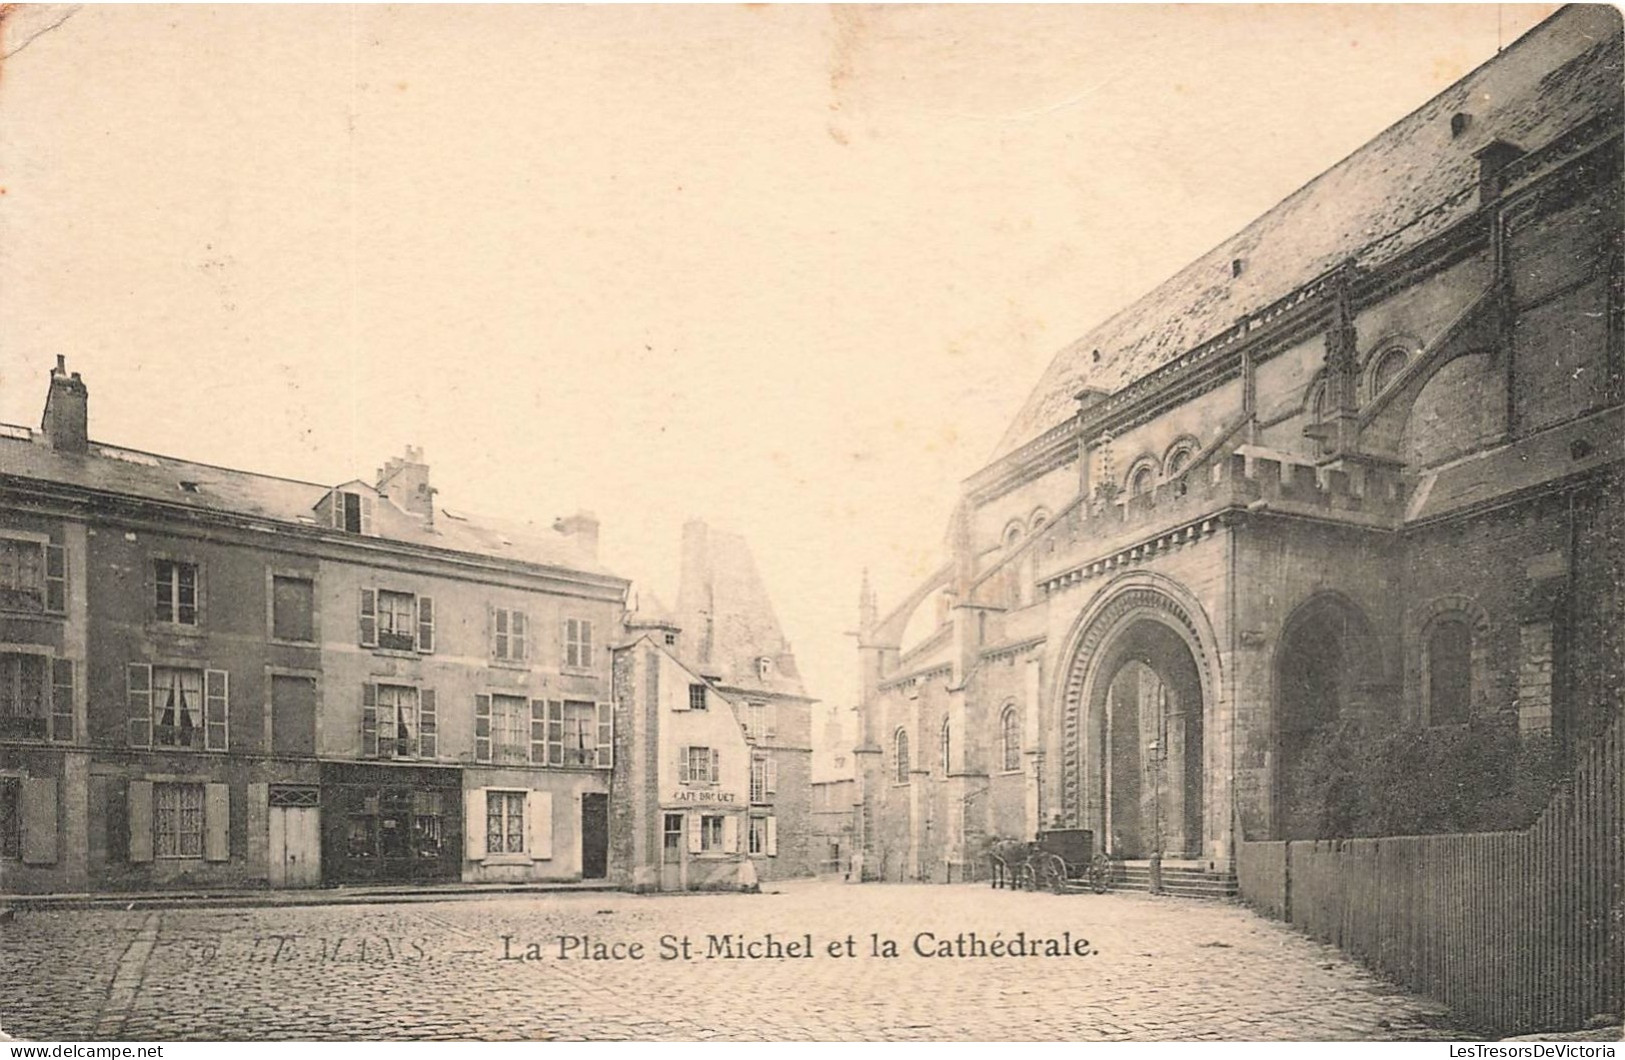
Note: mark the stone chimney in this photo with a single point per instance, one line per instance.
(405, 480)
(67, 411)
(582, 528)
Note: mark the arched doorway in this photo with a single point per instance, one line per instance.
(1150, 767)
(1325, 668)
(1134, 699)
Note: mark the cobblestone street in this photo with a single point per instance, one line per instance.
(1152, 968)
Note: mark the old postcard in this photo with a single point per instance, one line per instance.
(778, 523)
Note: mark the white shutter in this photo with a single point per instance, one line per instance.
(770, 774)
(682, 765)
(772, 837)
(605, 749)
(539, 824)
(730, 834)
(216, 822)
(39, 820)
(693, 833)
(139, 805)
(474, 824)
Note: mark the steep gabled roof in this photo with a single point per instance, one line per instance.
(1408, 184)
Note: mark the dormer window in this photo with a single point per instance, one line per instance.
(349, 510)
(764, 668)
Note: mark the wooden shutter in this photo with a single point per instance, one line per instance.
(499, 632)
(369, 618)
(216, 822)
(369, 720)
(516, 635)
(139, 800)
(730, 834)
(216, 709)
(555, 732)
(716, 766)
(586, 657)
(366, 513)
(428, 725)
(539, 824)
(39, 820)
(138, 697)
(693, 833)
(426, 624)
(567, 630)
(61, 699)
(606, 735)
(682, 765)
(772, 712)
(538, 732)
(474, 824)
(56, 580)
(772, 837)
(770, 774)
(482, 729)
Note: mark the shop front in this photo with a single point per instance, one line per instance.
(391, 823)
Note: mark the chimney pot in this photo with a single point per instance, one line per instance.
(66, 421)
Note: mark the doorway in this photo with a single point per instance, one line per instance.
(594, 836)
(671, 854)
(295, 855)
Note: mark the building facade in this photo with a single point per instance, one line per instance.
(728, 633)
(217, 678)
(1355, 472)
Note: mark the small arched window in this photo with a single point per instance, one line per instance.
(1179, 461)
(1389, 365)
(1143, 482)
(1010, 739)
(1450, 671)
(1012, 537)
(900, 744)
(947, 746)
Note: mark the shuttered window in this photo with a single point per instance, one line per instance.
(578, 652)
(177, 820)
(504, 822)
(510, 629)
(397, 621)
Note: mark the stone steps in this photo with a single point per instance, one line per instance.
(1177, 880)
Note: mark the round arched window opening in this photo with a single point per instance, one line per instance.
(1179, 461)
(1389, 365)
(900, 745)
(1143, 482)
(1010, 739)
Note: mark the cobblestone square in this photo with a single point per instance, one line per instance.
(1150, 968)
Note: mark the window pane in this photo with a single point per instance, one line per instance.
(293, 608)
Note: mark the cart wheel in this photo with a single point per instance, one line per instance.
(1100, 874)
(1026, 879)
(1052, 872)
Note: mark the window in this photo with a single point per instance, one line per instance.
(764, 668)
(711, 834)
(1389, 365)
(504, 822)
(580, 733)
(577, 644)
(900, 754)
(1449, 663)
(764, 773)
(33, 576)
(399, 721)
(397, 621)
(673, 836)
(1010, 739)
(671, 640)
(293, 608)
(758, 835)
(177, 820)
(510, 730)
(181, 708)
(698, 765)
(509, 627)
(696, 697)
(351, 512)
(176, 584)
(11, 817)
(24, 711)
(1143, 482)
(947, 746)
(1179, 460)
(761, 719)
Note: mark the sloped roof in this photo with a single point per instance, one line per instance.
(727, 619)
(207, 488)
(1406, 185)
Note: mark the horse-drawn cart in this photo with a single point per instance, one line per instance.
(1058, 860)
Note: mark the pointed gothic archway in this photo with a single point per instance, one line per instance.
(1137, 692)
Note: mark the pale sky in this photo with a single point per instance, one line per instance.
(789, 269)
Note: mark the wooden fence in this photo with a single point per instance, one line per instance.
(1515, 931)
